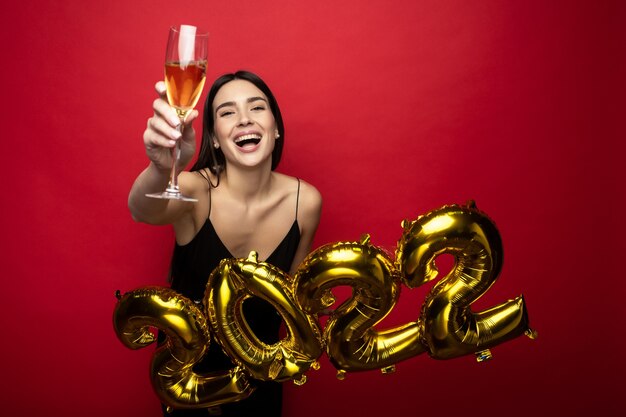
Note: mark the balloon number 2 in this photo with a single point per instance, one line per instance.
(450, 328)
(446, 327)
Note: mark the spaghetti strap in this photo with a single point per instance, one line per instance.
(297, 198)
(210, 201)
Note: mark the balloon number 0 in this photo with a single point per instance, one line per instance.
(446, 327)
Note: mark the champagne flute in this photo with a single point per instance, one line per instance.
(185, 74)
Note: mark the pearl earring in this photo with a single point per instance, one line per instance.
(216, 145)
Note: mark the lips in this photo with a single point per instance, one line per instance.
(251, 139)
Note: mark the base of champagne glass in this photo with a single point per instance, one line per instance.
(172, 195)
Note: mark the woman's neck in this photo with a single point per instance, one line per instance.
(247, 185)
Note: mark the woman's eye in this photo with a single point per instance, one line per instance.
(226, 113)
(258, 108)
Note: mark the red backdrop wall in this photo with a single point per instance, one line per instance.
(392, 109)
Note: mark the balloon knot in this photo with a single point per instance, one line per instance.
(532, 334)
(300, 381)
(388, 369)
(483, 355)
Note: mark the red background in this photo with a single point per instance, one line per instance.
(392, 109)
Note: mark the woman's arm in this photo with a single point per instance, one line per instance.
(161, 134)
(309, 211)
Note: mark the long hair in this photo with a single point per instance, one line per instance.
(212, 158)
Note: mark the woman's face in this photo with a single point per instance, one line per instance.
(245, 128)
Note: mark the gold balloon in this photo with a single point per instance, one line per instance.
(186, 328)
(451, 329)
(235, 280)
(352, 343)
(446, 328)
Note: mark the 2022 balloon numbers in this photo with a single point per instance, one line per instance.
(446, 327)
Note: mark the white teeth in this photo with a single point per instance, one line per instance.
(246, 137)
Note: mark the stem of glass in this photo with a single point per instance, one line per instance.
(172, 186)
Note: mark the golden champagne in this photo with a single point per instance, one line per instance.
(184, 84)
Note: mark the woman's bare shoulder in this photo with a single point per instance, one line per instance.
(195, 182)
(309, 195)
(309, 199)
(294, 184)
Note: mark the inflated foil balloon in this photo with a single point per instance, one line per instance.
(446, 328)
(451, 329)
(352, 343)
(230, 284)
(187, 339)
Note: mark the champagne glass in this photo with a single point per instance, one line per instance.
(185, 74)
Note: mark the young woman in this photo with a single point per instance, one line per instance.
(243, 205)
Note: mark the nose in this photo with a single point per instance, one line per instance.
(244, 118)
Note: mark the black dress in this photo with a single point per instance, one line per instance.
(191, 266)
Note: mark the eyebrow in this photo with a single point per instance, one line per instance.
(232, 103)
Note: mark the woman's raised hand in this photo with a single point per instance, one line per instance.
(164, 130)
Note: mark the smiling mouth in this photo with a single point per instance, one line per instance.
(244, 140)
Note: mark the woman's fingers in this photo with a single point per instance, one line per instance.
(160, 133)
(160, 89)
(164, 110)
(165, 128)
(193, 115)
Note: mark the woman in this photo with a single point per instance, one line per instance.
(243, 205)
